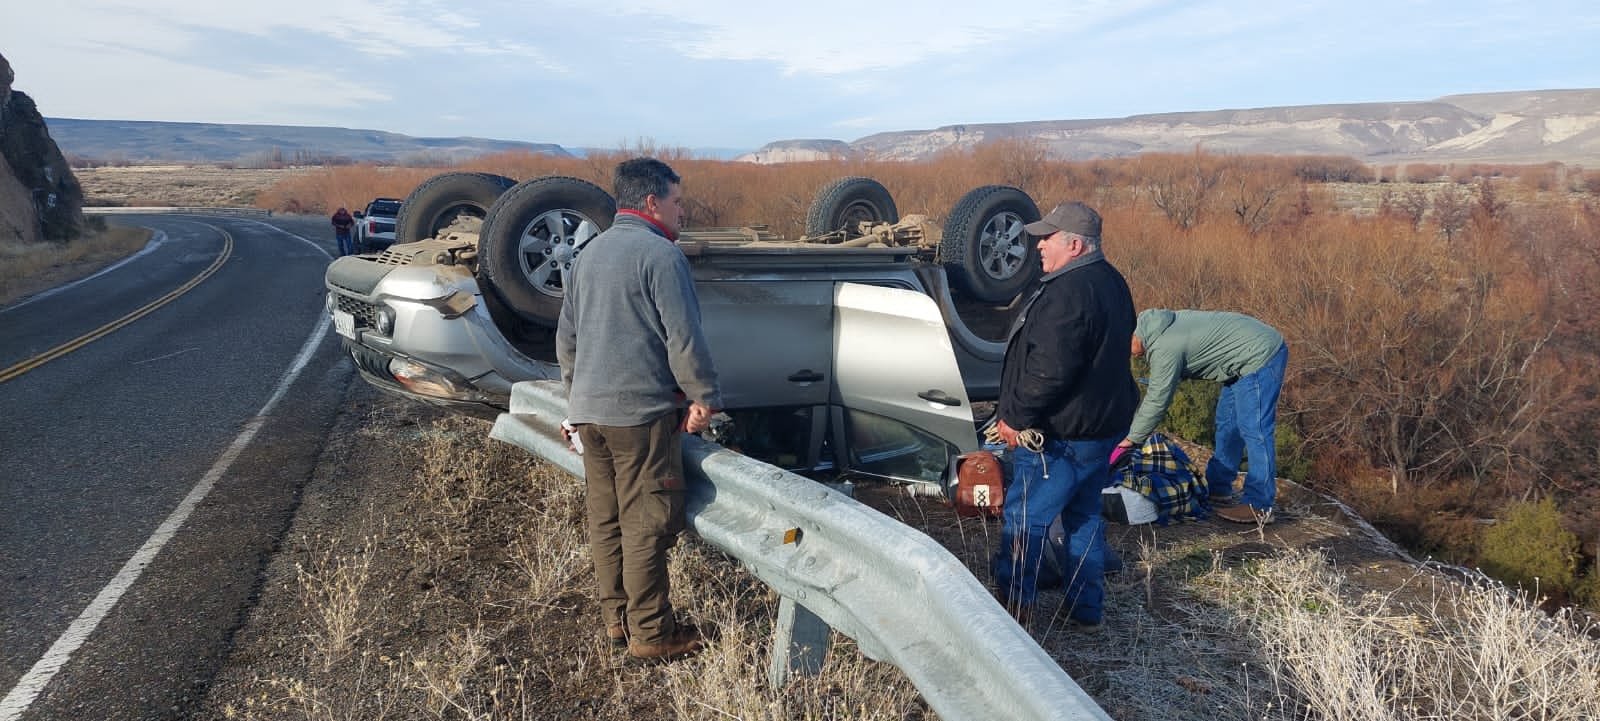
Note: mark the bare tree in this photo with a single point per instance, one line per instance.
(1451, 210)
(1253, 196)
(1180, 185)
(1413, 206)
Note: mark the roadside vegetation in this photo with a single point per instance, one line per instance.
(461, 591)
(1443, 370)
(28, 268)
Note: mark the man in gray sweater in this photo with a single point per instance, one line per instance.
(1248, 358)
(631, 349)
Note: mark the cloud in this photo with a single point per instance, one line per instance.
(864, 121)
(837, 37)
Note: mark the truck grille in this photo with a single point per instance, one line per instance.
(366, 314)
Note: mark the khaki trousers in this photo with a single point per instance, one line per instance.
(635, 500)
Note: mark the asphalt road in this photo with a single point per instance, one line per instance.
(146, 476)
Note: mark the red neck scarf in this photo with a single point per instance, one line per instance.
(652, 221)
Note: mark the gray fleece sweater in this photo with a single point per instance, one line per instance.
(629, 337)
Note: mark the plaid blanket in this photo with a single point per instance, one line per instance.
(1160, 471)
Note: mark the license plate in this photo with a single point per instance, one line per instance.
(344, 324)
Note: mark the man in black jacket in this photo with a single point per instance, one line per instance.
(1066, 398)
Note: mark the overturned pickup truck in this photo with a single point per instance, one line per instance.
(839, 352)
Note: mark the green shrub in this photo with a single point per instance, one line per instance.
(1193, 413)
(1587, 591)
(1528, 547)
(1293, 462)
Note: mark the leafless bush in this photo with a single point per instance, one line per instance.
(1181, 186)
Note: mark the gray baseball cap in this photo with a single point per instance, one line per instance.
(1072, 217)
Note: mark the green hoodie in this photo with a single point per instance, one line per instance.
(1210, 345)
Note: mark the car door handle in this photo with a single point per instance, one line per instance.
(940, 397)
(805, 375)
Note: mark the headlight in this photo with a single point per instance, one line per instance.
(329, 302)
(426, 381)
(385, 321)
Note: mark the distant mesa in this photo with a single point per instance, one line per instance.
(799, 151)
(1510, 127)
(141, 141)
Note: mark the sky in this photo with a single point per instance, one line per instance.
(736, 74)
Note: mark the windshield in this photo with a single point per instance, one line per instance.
(384, 207)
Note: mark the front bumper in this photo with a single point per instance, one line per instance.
(423, 331)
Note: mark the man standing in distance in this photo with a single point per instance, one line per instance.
(630, 345)
(1066, 390)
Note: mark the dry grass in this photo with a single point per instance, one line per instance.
(28, 268)
(177, 185)
(470, 600)
(1472, 652)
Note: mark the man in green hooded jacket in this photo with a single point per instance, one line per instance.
(1248, 358)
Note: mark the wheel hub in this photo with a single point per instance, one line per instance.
(1002, 246)
(548, 246)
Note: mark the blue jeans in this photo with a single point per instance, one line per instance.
(1065, 480)
(1247, 420)
(347, 244)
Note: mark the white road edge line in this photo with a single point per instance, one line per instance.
(157, 237)
(34, 681)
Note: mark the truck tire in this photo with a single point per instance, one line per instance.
(984, 248)
(844, 203)
(530, 237)
(435, 203)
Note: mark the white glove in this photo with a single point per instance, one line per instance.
(570, 435)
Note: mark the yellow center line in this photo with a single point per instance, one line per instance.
(98, 333)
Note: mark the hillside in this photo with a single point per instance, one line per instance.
(1513, 127)
(140, 141)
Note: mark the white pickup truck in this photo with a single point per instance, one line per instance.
(374, 228)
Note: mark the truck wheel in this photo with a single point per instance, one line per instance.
(531, 236)
(437, 202)
(844, 203)
(985, 249)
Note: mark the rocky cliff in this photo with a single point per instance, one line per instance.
(1517, 127)
(39, 197)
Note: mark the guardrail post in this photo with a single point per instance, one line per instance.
(800, 638)
(800, 642)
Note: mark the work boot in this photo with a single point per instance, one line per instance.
(617, 634)
(1092, 628)
(1225, 500)
(684, 641)
(1244, 513)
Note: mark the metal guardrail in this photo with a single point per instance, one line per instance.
(179, 210)
(898, 593)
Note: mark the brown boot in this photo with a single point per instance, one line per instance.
(685, 641)
(617, 634)
(1244, 513)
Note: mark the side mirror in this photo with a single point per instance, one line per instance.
(360, 214)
